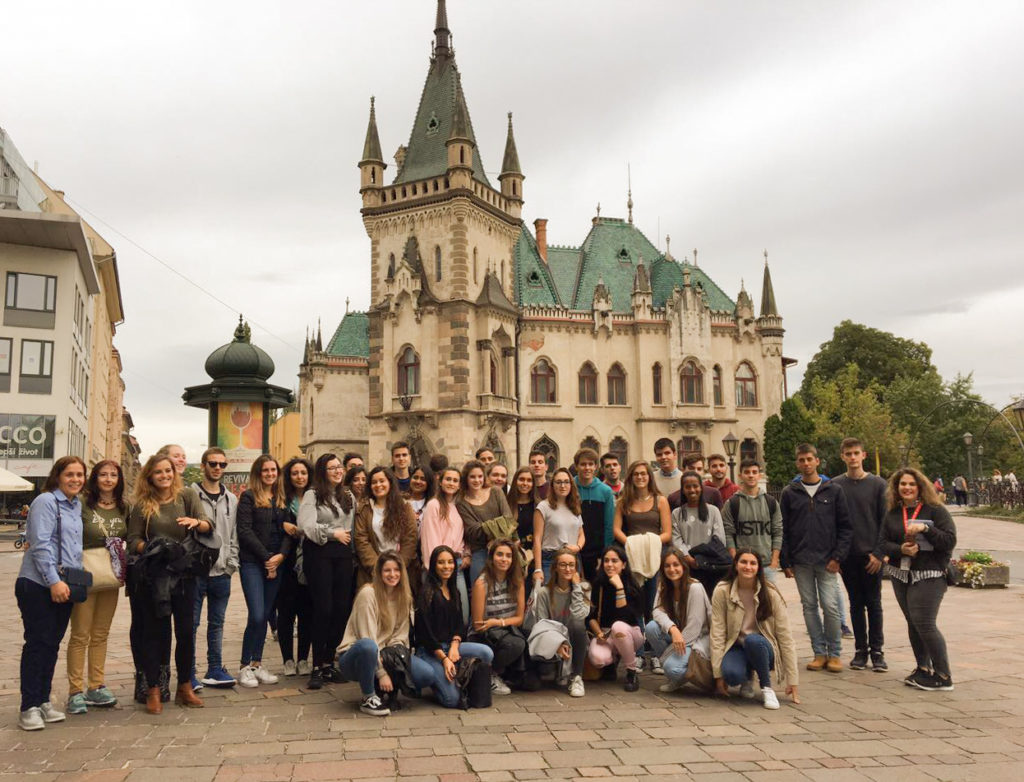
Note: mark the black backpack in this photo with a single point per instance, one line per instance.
(473, 678)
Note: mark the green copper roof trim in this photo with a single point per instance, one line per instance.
(534, 284)
(352, 337)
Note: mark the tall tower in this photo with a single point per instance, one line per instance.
(441, 323)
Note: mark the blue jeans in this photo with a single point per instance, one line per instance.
(818, 587)
(217, 590)
(446, 692)
(260, 593)
(476, 566)
(754, 655)
(675, 664)
(359, 663)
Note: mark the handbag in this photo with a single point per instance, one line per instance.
(78, 579)
(100, 563)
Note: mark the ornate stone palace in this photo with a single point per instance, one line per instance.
(480, 333)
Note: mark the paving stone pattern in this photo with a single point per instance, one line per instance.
(850, 726)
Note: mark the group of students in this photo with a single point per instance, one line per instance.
(407, 577)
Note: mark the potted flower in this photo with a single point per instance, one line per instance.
(978, 570)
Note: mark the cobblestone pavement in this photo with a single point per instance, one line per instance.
(850, 726)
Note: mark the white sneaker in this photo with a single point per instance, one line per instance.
(771, 701)
(289, 668)
(375, 706)
(671, 686)
(263, 676)
(747, 689)
(656, 666)
(50, 714)
(576, 689)
(498, 687)
(31, 719)
(302, 668)
(247, 677)
(638, 666)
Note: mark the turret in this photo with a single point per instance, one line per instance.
(371, 166)
(460, 143)
(511, 176)
(642, 298)
(770, 322)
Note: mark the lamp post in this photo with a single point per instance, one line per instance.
(730, 442)
(904, 453)
(981, 451)
(968, 439)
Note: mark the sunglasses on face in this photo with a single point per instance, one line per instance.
(217, 465)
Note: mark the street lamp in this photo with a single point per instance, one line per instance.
(968, 439)
(904, 453)
(981, 451)
(730, 442)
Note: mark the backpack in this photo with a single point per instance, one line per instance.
(734, 506)
(473, 678)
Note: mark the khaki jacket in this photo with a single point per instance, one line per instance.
(727, 619)
(365, 541)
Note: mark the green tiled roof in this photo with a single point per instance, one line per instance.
(666, 275)
(564, 263)
(534, 285)
(427, 155)
(352, 337)
(611, 252)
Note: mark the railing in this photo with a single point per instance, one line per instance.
(496, 404)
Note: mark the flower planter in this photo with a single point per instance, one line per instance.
(978, 576)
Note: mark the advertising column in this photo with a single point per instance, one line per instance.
(240, 434)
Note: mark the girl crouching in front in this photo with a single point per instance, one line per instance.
(615, 617)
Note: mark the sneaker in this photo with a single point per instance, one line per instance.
(818, 663)
(77, 704)
(846, 631)
(375, 706)
(263, 676)
(936, 682)
(101, 696)
(316, 680)
(833, 665)
(912, 677)
(747, 689)
(31, 719)
(498, 687)
(639, 663)
(576, 689)
(769, 698)
(632, 678)
(289, 668)
(671, 686)
(859, 661)
(50, 714)
(878, 663)
(247, 676)
(656, 669)
(331, 674)
(302, 668)
(920, 679)
(196, 684)
(218, 677)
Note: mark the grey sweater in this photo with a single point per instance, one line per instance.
(318, 522)
(755, 526)
(696, 632)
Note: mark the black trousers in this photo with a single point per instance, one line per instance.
(293, 601)
(865, 593)
(330, 573)
(155, 632)
(920, 604)
(45, 623)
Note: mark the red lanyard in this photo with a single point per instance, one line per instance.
(912, 518)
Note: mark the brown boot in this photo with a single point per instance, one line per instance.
(818, 663)
(153, 703)
(186, 696)
(834, 665)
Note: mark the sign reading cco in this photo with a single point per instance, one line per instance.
(26, 436)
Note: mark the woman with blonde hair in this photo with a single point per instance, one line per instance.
(918, 536)
(164, 510)
(263, 546)
(177, 456)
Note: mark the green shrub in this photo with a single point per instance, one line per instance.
(977, 556)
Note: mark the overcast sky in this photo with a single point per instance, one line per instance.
(874, 149)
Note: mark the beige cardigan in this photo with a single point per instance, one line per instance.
(727, 618)
(362, 623)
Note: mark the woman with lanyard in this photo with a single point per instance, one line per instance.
(557, 523)
(750, 633)
(54, 535)
(918, 536)
(440, 626)
(325, 517)
(164, 509)
(104, 518)
(384, 522)
(293, 601)
(442, 526)
(264, 547)
(478, 503)
(499, 606)
(615, 618)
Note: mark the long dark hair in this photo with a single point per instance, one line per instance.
(395, 506)
(291, 492)
(764, 604)
(515, 573)
(263, 498)
(331, 496)
(439, 494)
(511, 490)
(702, 505)
(92, 487)
(428, 478)
(672, 605)
(628, 582)
(433, 582)
(572, 500)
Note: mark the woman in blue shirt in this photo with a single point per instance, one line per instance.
(43, 599)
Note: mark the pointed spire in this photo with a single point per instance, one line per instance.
(768, 307)
(510, 165)
(629, 202)
(319, 337)
(371, 147)
(460, 117)
(668, 248)
(442, 35)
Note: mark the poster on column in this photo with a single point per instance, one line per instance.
(240, 433)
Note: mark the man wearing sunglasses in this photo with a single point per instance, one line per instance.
(220, 505)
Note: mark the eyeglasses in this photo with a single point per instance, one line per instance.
(561, 483)
(216, 465)
(335, 469)
(567, 565)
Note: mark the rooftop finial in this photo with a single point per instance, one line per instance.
(694, 256)
(598, 208)
(629, 202)
(766, 257)
(346, 304)
(442, 35)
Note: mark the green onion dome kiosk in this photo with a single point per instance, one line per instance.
(239, 400)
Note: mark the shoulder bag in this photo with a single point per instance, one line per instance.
(78, 579)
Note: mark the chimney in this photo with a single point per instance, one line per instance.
(540, 226)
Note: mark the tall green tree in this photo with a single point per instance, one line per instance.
(782, 434)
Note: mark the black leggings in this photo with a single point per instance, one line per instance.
(155, 637)
(920, 605)
(329, 573)
(293, 601)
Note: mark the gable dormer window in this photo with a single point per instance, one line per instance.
(623, 255)
(533, 279)
(433, 124)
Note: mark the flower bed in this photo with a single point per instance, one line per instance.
(978, 570)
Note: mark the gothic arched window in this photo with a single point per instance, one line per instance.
(620, 448)
(437, 263)
(616, 385)
(543, 383)
(656, 383)
(408, 372)
(716, 385)
(691, 384)
(588, 384)
(746, 386)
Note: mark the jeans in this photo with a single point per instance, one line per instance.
(446, 692)
(293, 601)
(920, 604)
(623, 641)
(217, 591)
(260, 593)
(90, 627)
(329, 572)
(819, 587)
(675, 664)
(865, 592)
(754, 655)
(45, 623)
(476, 565)
(359, 663)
